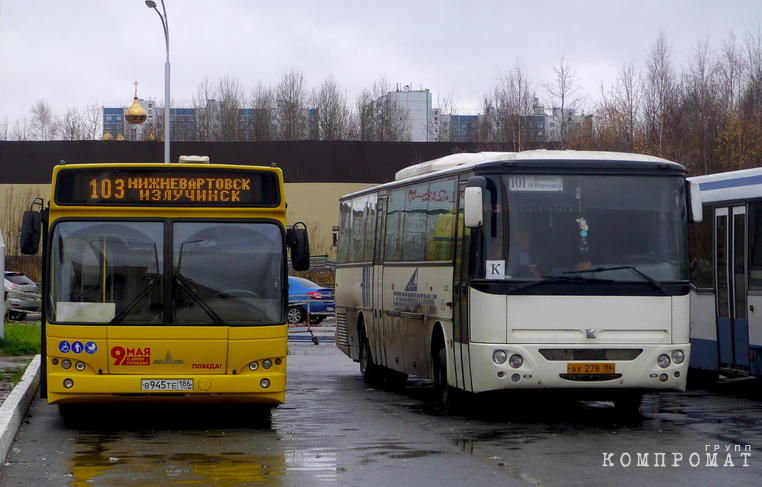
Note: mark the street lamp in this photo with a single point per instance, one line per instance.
(165, 24)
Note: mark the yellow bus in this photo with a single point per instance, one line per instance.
(164, 283)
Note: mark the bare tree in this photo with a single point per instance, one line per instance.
(333, 115)
(92, 120)
(44, 123)
(72, 127)
(205, 105)
(291, 100)
(618, 112)
(730, 69)
(20, 131)
(701, 106)
(230, 99)
(752, 91)
(263, 123)
(565, 96)
(659, 93)
(380, 117)
(447, 106)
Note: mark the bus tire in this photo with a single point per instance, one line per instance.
(442, 389)
(371, 372)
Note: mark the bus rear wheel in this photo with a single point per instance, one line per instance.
(442, 389)
(371, 372)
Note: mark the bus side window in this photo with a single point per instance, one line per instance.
(755, 246)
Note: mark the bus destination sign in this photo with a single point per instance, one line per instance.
(164, 187)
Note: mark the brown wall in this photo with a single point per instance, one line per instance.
(301, 161)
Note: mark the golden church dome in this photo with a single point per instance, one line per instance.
(136, 113)
(107, 136)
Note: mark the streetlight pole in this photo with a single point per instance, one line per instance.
(165, 24)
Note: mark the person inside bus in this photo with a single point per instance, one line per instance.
(529, 262)
(527, 259)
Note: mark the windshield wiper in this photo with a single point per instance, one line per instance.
(145, 292)
(152, 283)
(653, 282)
(183, 283)
(544, 280)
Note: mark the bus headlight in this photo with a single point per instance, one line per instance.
(499, 357)
(66, 363)
(662, 361)
(516, 361)
(678, 356)
(265, 383)
(267, 363)
(253, 366)
(80, 366)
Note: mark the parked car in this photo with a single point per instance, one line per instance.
(21, 295)
(302, 292)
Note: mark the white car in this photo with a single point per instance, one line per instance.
(21, 295)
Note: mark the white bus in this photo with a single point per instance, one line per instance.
(726, 276)
(529, 270)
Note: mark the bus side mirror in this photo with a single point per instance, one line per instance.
(30, 232)
(298, 243)
(695, 213)
(473, 209)
(473, 202)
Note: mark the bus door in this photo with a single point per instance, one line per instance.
(376, 284)
(460, 301)
(731, 298)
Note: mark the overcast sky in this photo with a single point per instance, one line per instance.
(78, 53)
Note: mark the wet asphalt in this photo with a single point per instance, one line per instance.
(335, 429)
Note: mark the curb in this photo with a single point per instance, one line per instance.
(14, 408)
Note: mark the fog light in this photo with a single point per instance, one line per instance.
(80, 366)
(516, 361)
(278, 361)
(662, 361)
(677, 374)
(499, 357)
(265, 383)
(267, 363)
(68, 383)
(678, 356)
(515, 378)
(66, 364)
(253, 366)
(663, 377)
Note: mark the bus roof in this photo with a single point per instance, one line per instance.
(730, 186)
(465, 160)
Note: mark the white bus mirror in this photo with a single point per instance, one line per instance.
(473, 207)
(694, 203)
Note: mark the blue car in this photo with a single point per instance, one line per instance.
(303, 292)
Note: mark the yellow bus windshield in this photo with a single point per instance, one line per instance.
(118, 272)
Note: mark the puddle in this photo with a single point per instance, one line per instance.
(231, 469)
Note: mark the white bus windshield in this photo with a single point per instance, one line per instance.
(548, 225)
(113, 272)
